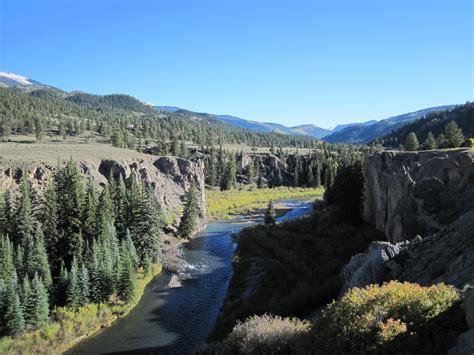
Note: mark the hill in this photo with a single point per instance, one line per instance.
(434, 122)
(368, 131)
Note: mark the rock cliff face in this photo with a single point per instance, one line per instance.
(170, 178)
(410, 193)
(429, 194)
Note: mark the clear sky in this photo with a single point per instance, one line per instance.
(292, 62)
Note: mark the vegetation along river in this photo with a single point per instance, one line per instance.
(175, 320)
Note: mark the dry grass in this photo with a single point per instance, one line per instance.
(50, 152)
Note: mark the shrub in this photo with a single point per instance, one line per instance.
(266, 334)
(365, 320)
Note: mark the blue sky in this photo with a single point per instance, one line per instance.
(292, 62)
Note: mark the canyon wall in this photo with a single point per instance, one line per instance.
(170, 178)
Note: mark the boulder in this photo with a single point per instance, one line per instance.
(369, 267)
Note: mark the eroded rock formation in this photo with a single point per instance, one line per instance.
(170, 178)
(410, 193)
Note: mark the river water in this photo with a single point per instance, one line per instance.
(176, 320)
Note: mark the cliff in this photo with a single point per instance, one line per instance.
(169, 177)
(418, 193)
(424, 203)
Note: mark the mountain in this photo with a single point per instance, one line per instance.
(365, 132)
(434, 122)
(11, 80)
(302, 130)
(168, 108)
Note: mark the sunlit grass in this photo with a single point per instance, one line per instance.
(224, 204)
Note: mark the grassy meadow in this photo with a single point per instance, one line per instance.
(225, 204)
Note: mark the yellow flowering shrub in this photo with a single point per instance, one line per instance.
(366, 319)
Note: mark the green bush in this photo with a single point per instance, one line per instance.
(367, 320)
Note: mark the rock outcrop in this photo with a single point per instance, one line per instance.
(170, 177)
(410, 193)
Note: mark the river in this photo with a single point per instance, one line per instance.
(175, 320)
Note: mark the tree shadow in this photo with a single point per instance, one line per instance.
(435, 337)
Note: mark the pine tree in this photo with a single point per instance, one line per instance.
(310, 177)
(121, 208)
(61, 285)
(20, 260)
(84, 284)
(25, 291)
(6, 221)
(212, 176)
(37, 259)
(14, 321)
(89, 215)
(70, 197)
(430, 142)
(411, 144)
(74, 295)
(249, 172)
(3, 303)
(453, 135)
(229, 179)
(37, 305)
(106, 213)
(190, 216)
(126, 287)
(7, 267)
(296, 176)
(23, 214)
(147, 265)
(184, 149)
(132, 251)
(50, 222)
(270, 214)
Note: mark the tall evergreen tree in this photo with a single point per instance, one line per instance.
(37, 306)
(270, 214)
(84, 284)
(190, 216)
(411, 143)
(37, 259)
(50, 223)
(74, 294)
(6, 221)
(89, 214)
(126, 287)
(212, 176)
(121, 208)
(23, 214)
(430, 142)
(453, 135)
(70, 197)
(7, 267)
(14, 320)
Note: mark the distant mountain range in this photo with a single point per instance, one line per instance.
(355, 133)
(309, 129)
(361, 133)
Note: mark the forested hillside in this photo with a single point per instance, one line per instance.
(433, 126)
(120, 119)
